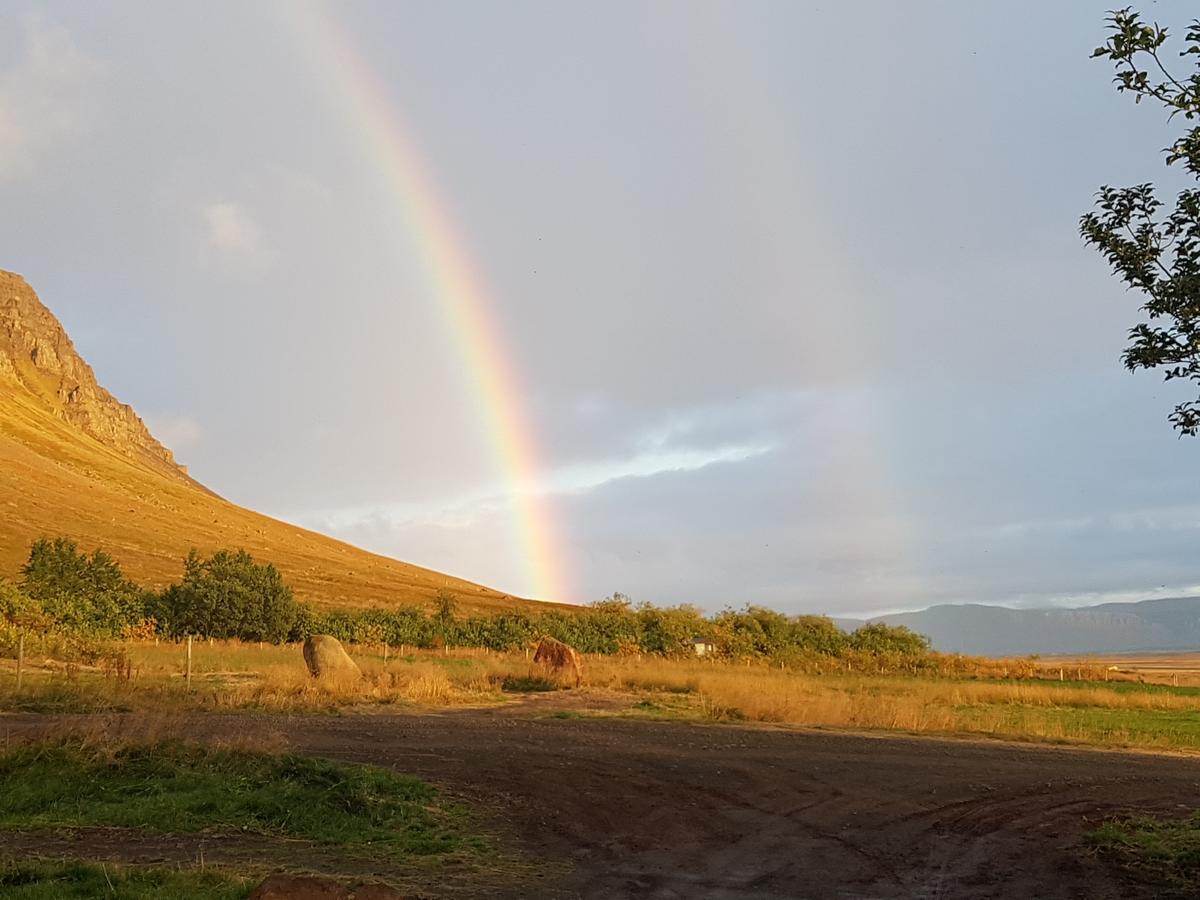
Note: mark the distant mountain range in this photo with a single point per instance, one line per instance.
(1171, 623)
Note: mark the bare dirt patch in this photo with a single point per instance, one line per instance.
(670, 810)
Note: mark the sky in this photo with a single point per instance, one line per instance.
(708, 303)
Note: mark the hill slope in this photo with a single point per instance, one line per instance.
(1171, 623)
(76, 462)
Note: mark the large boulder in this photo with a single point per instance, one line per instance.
(325, 657)
(559, 658)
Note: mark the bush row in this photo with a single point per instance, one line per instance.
(230, 595)
(617, 626)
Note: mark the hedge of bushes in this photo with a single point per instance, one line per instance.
(617, 626)
(230, 595)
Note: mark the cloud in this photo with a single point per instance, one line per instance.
(232, 231)
(436, 532)
(574, 479)
(43, 96)
(1140, 520)
(587, 476)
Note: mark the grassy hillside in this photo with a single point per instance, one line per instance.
(57, 479)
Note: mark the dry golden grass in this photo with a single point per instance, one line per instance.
(1180, 669)
(1120, 713)
(231, 675)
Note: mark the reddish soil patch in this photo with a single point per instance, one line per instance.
(671, 810)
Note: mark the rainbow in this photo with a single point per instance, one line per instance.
(454, 282)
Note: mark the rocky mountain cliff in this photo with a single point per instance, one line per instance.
(36, 353)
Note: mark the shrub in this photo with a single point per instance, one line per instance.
(22, 616)
(878, 638)
(229, 595)
(82, 593)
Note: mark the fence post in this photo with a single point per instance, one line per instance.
(385, 651)
(20, 657)
(189, 663)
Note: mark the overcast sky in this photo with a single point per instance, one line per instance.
(794, 292)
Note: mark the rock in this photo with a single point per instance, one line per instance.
(36, 353)
(324, 656)
(559, 658)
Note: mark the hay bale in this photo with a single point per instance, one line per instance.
(325, 657)
(559, 658)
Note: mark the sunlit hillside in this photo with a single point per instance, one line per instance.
(75, 462)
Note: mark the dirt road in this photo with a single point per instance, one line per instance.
(671, 810)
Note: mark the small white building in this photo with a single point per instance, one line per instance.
(703, 647)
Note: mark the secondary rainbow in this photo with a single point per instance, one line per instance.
(454, 284)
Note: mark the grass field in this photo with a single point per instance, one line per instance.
(1181, 669)
(115, 795)
(170, 787)
(40, 880)
(1162, 851)
(232, 675)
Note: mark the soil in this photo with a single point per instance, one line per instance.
(644, 809)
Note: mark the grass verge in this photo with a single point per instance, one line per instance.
(1166, 851)
(172, 787)
(68, 880)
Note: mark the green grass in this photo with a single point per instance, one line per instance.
(174, 787)
(69, 880)
(1176, 728)
(1166, 850)
(527, 684)
(1117, 687)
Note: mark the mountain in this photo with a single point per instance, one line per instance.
(75, 461)
(1171, 623)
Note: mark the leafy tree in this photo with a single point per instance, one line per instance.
(875, 637)
(817, 634)
(509, 631)
(19, 609)
(1154, 252)
(229, 595)
(23, 617)
(305, 624)
(669, 632)
(81, 592)
(445, 605)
